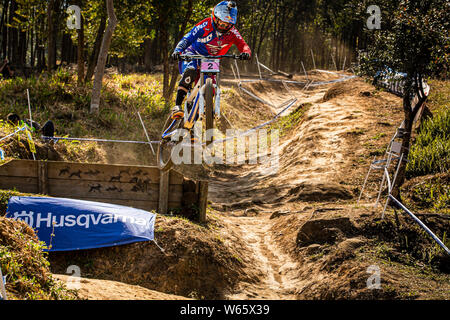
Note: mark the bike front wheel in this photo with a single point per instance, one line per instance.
(166, 145)
(209, 106)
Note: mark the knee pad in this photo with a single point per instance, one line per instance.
(188, 78)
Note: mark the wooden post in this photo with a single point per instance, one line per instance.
(163, 202)
(203, 200)
(42, 177)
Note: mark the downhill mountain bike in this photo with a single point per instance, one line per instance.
(203, 102)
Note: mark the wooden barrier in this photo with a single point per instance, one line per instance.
(142, 187)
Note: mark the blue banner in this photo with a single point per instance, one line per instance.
(67, 224)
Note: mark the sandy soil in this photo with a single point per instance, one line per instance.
(92, 289)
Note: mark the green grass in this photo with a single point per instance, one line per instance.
(287, 123)
(433, 193)
(57, 97)
(24, 262)
(430, 152)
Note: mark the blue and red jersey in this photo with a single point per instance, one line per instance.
(203, 39)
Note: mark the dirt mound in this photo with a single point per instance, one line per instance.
(347, 88)
(318, 192)
(196, 263)
(340, 249)
(93, 289)
(323, 231)
(25, 266)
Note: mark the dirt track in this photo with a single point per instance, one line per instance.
(295, 231)
(311, 158)
(276, 269)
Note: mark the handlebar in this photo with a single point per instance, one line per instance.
(187, 57)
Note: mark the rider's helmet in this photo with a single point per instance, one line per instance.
(224, 16)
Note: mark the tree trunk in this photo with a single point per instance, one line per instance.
(12, 35)
(80, 51)
(164, 51)
(51, 35)
(166, 71)
(148, 54)
(22, 49)
(107, 37)
(175, 70)
(65, 47)
(95, 50)
(4, 29)
(410, 113)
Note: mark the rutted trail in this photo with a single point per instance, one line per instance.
(276, 270)
(240, 187)
(313, 161)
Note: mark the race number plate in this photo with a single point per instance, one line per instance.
(211, 65)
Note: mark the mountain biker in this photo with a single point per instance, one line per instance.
(212, 36)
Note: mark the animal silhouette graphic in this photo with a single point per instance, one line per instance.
(94, 188)
(114, 188)
(92, 173)
(76, 174)
(64, 171)
(115, 178)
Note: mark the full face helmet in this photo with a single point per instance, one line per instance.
(224, 16)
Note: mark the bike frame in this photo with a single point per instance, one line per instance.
(196, 95)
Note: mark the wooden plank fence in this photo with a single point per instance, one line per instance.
(142, 187)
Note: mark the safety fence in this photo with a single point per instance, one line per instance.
(395, 153)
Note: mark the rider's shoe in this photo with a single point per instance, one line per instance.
(177, 112)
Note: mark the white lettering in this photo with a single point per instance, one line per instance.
(94, 220)
(70, 220)
(198, 28)
(205, 40)
(86, 220)
(48, 220)
(61, 221)
(107, 218)
(140, 221)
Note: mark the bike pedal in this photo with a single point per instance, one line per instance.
(195, 140)
(178, 115)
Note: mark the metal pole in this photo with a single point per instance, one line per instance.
(334, 62)
(304, 70)
(237, 70)
(31, 120)
(393, 182)
(314, 62)
(365, 181)
(420, 223)
(259, 67)
(146, 134)
(234, 73)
